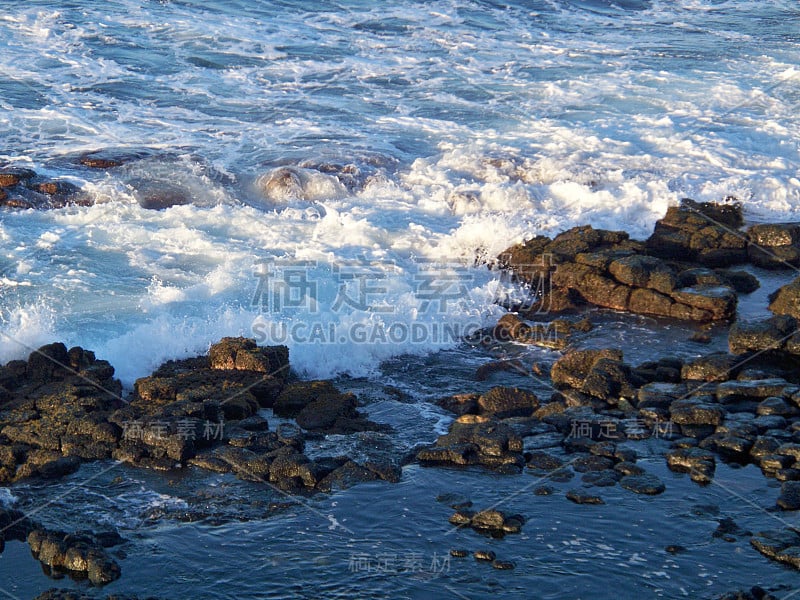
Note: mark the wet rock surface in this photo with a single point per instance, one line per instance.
(78, 554)
(782, 545)
(489, 522)
(606, 269)
(22, 188)
(738, 407)
(643, 484)
(476, 440)
(703, 232)
(62, 407)
(774, 246)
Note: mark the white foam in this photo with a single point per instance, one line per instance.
(7, 499)
(503, 127)
(25, 328)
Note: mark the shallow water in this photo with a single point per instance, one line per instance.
(393, 540)
(215, 536)
(471, 125)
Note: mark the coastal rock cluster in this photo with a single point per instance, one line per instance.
(680, 272)
(740, 407)
(158, 179)
(81, 554)
(61, 406)
(22, 188)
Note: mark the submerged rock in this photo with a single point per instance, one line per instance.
(782, 545)
(644, 483)
(286, 184)
(581, 497)
(159, 195)
(111, 158)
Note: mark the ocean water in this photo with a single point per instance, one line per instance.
(467, 126)
(422, 139)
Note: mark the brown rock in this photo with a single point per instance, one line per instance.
(770, 235)
(504, 402)
(572, 369)
(786, 300)
(243, 354)
(643, 272)
(53, 188)
(99, 163)
(296, 396)
(325, 410)
(460, 404)
(158, 195)
(704, 232)
(11, 176)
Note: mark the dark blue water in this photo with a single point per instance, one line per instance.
(474, 125)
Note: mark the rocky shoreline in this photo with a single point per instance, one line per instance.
(143, 173)
(62, 407)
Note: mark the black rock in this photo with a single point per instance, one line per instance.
(700, 464)
(580, 497)
(789, 498)
(589, 463)
(543, 461)
(643, 484)
(756, 336)
(782, 545)
(605, 478)
(504, 402)
(728, 530)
